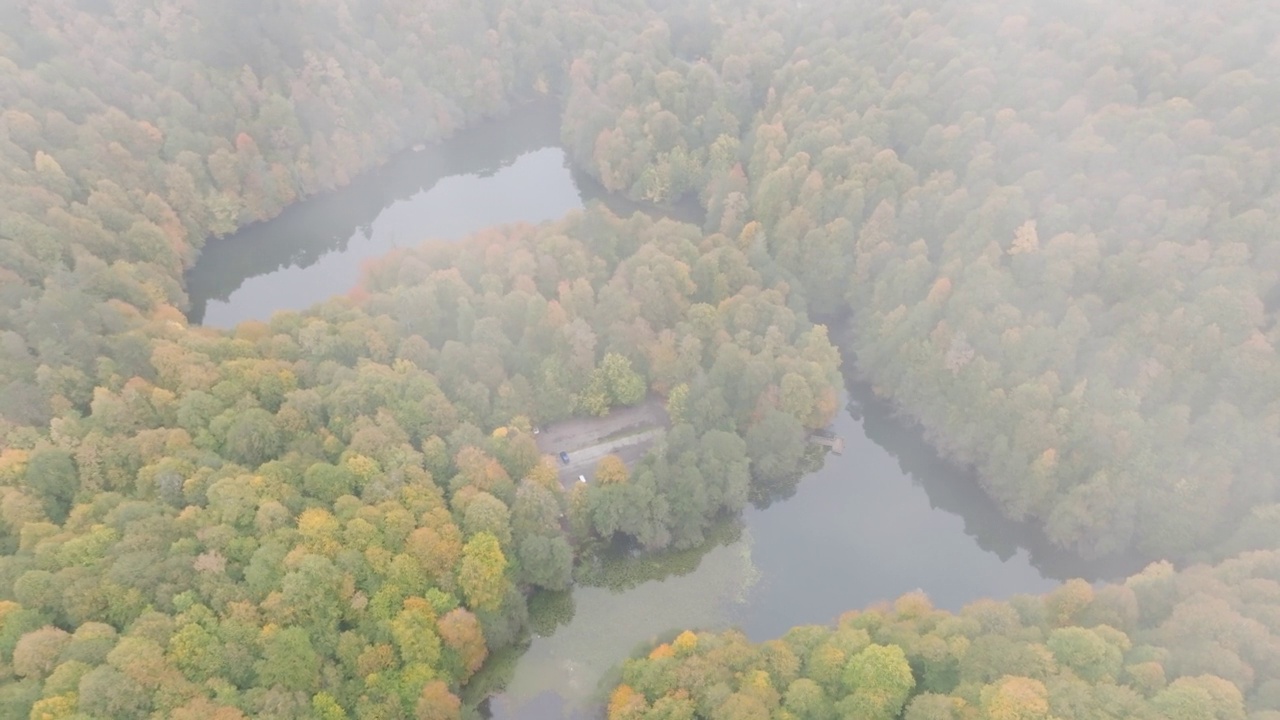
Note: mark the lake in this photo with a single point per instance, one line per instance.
(886, 517)
(503, 171)
(497, 172)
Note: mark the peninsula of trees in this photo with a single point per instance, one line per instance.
(1200, 644)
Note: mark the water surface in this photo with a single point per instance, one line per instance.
(864, 528)
(498, 172)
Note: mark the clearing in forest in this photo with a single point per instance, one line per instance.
(627, 432)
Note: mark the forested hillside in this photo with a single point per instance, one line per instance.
(1054, 219)
(1049, 224)
(1084, 264)
(330, 510)
(1203, 643)
(131, 135)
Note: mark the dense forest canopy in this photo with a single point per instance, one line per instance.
(363, 479)
(1199, 644)
(1050, 218)
(1049, 225)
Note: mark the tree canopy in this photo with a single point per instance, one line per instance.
(1048, 226)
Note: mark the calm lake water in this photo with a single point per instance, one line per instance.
(498, 172)
(504, 171)
(885, 518)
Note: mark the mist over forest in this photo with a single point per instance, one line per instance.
(1043, 233)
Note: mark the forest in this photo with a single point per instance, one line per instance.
(1165, 644)
(1048, 228)
(309, 490)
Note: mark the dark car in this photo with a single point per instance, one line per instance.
(564, 457)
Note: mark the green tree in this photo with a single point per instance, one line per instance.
(545, 561)
(806, 700)
(326, 707)
(107, 692)
(196, 652)
(252, 437)
(288, 660)
(930, 706)
(1087, 654)
(625, 385)
(879, 681)
(312, 594)
(595, 398)
(678, 403)
(775, 445)
(487, 514)
(52, 474)
(414, 631)
(1203, 697)
(327, 482)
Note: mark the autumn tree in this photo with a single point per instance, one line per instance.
(437, 703)
(611, 470)
(481, 573)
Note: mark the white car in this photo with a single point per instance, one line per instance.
(582, 478)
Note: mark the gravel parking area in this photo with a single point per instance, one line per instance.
(625, 432)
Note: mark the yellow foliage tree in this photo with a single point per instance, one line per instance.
(625, 703)
(13, 463)
(481, 573)
(685, 643)
(363, 467)
(320, 531)
(913, 605)
(1065, 604)
(544, 474)
(54, 708)
(1015, 698)
(611, 471)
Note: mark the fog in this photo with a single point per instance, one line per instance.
(290, 291)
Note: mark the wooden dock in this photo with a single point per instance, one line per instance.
(835, 443)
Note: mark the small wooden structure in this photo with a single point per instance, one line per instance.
(835, 443)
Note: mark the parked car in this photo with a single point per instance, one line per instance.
(582, 478)
(564, 457)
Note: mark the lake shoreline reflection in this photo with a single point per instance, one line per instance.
(885, 518)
